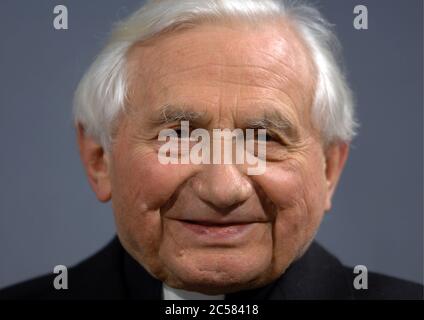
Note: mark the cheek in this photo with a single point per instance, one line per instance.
(140, 187)
(145, 184)
(297, 192)
(295, 181)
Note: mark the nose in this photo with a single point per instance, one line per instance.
(222, 186)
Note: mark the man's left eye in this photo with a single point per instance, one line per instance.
(265, 138)
(269, 137)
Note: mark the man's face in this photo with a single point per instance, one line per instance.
(213, 228)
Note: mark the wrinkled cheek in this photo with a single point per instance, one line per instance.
(138, 193)
(151, 184)
(280, 186)
(297, 198)
(293, 230)
(140, 232)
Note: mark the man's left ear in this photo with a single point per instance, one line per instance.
(335, 159)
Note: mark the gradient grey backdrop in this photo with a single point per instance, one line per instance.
(49, 215)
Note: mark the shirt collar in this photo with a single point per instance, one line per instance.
(178, 294)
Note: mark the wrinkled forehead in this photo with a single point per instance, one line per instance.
(269, 62)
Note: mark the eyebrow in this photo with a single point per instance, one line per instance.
(172, 113)
(273, 120)
(270, 120)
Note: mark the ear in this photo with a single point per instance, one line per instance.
(96, 164)
(335, 159)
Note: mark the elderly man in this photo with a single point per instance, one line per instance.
(212, 230)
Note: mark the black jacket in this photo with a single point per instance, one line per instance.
(113, 274)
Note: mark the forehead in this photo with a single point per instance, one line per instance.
(233, 66)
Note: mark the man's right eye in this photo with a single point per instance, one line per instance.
(180, 133)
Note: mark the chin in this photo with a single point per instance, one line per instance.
(221, 275)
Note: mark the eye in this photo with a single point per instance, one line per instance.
(179, 132)
(268, 137)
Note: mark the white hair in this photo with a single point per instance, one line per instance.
(102, 92)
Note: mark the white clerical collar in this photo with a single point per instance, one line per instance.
(169, 293)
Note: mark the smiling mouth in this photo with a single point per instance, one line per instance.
(217, 230)
(214, 224)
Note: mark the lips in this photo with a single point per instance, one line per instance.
(216, 229)
(215, 223)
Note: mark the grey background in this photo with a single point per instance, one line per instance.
(49, 215)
